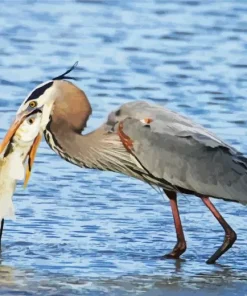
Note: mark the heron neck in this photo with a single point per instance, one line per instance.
(91, 150)
(96, 150)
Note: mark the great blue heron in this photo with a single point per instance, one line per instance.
(148, 142)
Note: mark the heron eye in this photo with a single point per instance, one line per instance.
(32, 104)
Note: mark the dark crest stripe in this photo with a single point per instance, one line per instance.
(39, 91)
(63, 76)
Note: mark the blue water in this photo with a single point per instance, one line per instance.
(82, 232)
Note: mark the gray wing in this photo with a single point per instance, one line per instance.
(176, 122)
(183, 153)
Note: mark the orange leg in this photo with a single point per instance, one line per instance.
(230, 235)
(180, 246)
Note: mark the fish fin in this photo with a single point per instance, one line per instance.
(16, 167)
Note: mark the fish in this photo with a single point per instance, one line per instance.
(16, 160)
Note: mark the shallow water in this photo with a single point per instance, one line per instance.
(82, 232)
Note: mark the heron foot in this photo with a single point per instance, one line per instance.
(170, 256)
(178, 250)
(229, 240)
(180, 246)
(230, 234)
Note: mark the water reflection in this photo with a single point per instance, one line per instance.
(29, 281)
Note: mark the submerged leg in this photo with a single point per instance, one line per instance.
(180, 246)
(1, 231)
(230, 235)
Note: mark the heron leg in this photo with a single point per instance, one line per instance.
(1, 231)
(180, 246)
(230, 235)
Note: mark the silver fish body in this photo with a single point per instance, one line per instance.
(12, 162)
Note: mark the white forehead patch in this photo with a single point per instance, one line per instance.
(37, 94)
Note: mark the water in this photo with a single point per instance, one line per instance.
(82, 232)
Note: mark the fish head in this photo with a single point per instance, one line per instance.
(20, 119)
(25, 132)
(29, 128)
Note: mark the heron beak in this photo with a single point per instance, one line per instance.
(31, 156)
(13, 128)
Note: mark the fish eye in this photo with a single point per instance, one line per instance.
(31, 120)
(32, 104)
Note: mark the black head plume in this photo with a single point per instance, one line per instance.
(63, 76)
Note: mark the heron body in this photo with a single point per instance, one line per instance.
(148, 142)
(186, 155)
(171, 151)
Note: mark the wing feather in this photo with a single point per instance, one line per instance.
(183, 153)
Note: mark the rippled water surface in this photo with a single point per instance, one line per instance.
(82, 232)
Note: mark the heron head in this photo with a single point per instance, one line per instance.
(43, 96)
